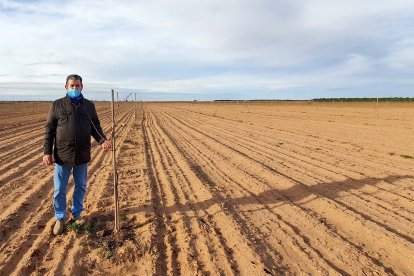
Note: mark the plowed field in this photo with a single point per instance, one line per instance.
(220, 189)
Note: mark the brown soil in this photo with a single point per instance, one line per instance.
(220, 189)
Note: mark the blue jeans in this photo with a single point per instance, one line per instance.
(60, 179)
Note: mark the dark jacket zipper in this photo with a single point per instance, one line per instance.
(76, 118)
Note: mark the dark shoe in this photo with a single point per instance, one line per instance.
(59, 227)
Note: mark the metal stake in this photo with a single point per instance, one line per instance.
(135, 109)
(116, 202)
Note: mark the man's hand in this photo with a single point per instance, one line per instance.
(106, 145)
(47, 159)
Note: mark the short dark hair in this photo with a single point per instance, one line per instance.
(73, 77)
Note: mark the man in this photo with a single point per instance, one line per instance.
(71, 122)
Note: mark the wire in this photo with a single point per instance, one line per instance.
(87, 114)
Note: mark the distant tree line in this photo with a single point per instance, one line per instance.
(260, 100)
(396, 99)
(393, 99)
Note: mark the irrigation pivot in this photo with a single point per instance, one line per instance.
(116, 202)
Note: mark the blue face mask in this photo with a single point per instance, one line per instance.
(74, 93)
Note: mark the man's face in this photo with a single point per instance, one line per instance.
(74, 84)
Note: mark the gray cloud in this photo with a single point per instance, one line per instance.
(264, 48)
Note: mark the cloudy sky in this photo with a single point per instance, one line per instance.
(215, 49)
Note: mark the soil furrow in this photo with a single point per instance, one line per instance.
(305, 239)
(263, 250)
(42, 244)
(219, 188)
(179, 174)
(323, 193)
(31, 202)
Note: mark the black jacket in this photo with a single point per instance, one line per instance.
(68, 131)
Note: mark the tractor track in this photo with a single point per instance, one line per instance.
(219, 189)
